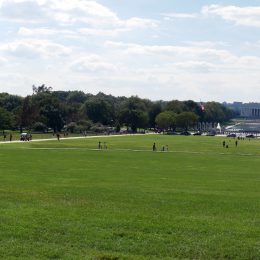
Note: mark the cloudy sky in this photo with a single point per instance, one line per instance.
(157, 49)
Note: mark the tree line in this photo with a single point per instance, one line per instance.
(76, 111)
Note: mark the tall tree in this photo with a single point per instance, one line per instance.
(176, 106)
(166, 120)
(41, 89)
(155, 109)
(98, 109)
(134, 113)
(6, 119)
(185, 120)
(27, 114)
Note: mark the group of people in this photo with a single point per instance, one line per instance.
(100, 146)
(225, 144)
(164, 148)
(10, 137)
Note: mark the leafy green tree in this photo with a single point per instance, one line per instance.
(71, 127)
(6, 119)
(85, 124)
(50, 110)
(53, 116)
(39, 127)
(155, 109)
(133, 113)
(166, 120)
(27, 114)
(192, 106)
(76, 97)
(11, 103)
(176, 106)
(216, 112)
(134, 119)
(185, 120)
(117, 126)
(41, 89)
(98, 110)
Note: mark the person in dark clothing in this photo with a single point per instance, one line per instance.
(236, 143)
(11, 137)
(154, 147)
(224, 143)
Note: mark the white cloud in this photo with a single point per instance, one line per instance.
(24, 31)
(64, 43)
(247, 16)
(180, 15)
(32, 48)
(3, 61)
(92, 63)
(43, 32)
(67, 12)
(141, 23)
(20, 10)
(102, 32)
(170, 51)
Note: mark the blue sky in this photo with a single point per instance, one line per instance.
(167, 49)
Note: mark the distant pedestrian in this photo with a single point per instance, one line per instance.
(224, 143)
(167, 148)
(4, 137)
(163, 148)
(154, 147)
(99, 145)
(11, 137)
(227, 146)
(236, 143)
(58, 136)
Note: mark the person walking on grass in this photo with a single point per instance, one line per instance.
(236, 143)
(224, 143)
(154, 147)
(58, 136)
(11, 137)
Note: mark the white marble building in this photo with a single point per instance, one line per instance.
(250, 110)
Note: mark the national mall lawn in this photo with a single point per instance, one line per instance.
(69, 200)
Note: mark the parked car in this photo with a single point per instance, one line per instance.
(171, 133)
(25, 137)
(251, 136)
(198, 133)
(231, 135)
(210, 134)
(185, 133)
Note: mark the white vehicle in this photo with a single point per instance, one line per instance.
(25, 137)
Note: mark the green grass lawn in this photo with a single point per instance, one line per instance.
(66, 200)
(16, 135)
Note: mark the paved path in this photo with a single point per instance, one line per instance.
(72, 138)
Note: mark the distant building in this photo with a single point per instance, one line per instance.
(250, 110)
(245, 110)
(235, 106)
